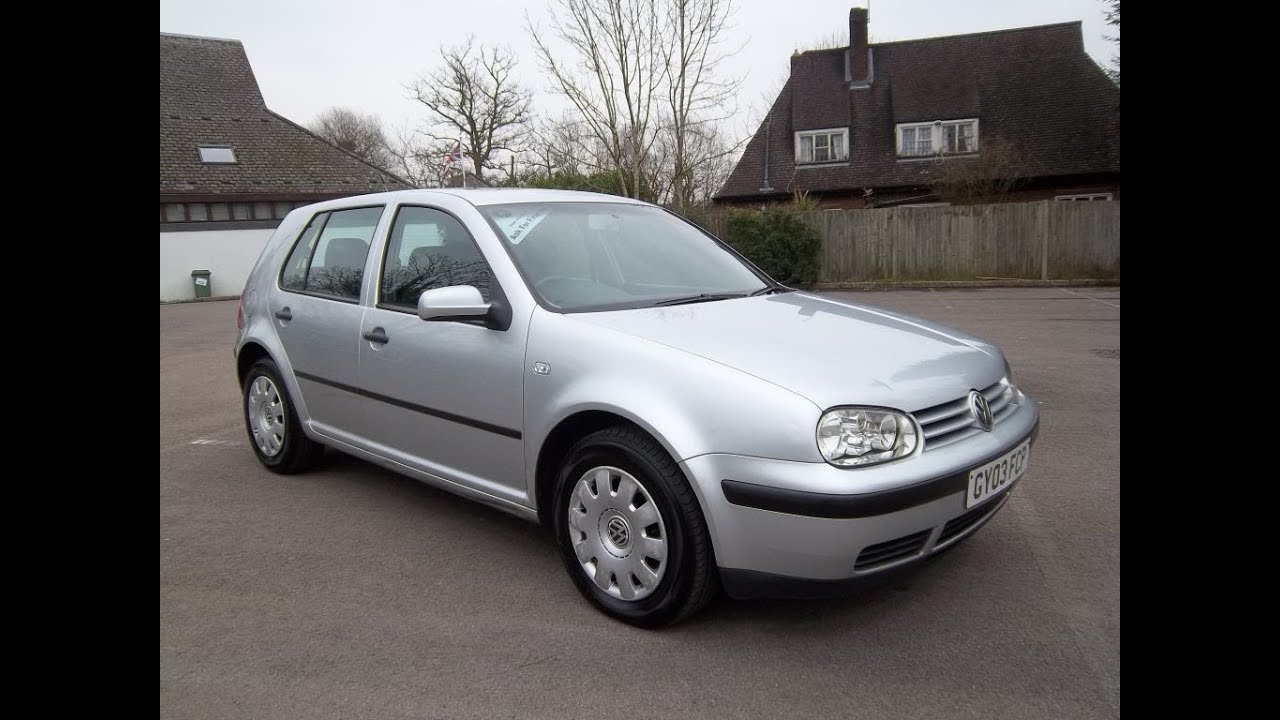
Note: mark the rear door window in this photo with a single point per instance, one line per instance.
(336, 245)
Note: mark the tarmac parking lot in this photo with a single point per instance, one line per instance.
(353, 592)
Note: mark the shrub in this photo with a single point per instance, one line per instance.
(777, 240)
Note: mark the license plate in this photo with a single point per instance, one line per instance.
(987, 481)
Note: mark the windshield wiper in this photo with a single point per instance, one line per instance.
(769, 290)
(700, 297)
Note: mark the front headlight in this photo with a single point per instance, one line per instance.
(850, 437)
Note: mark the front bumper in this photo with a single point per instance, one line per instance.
(784, 528)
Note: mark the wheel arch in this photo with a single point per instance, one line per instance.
(574, 427)
(250, 353)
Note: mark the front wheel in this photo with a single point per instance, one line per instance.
(630, 530)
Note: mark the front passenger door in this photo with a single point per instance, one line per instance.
(445, 397)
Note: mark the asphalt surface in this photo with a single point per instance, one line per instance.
(353, 592)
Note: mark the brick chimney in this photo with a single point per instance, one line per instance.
(859, 57)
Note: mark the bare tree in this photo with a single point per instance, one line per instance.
(360, 135)
(474, 99)
(988, 176)
(418, 158)
(565, 145)
(1113, 19)
(696, 96)
(715, 154)
(610, 74)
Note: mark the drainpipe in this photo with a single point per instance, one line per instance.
(768, 140)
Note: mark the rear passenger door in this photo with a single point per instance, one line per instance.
(317, 314)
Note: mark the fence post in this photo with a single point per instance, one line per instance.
(1044, 239)
(893, 242)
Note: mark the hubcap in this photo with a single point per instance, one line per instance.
(266, 415)
(617, 533)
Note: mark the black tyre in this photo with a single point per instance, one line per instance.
(275, 434)
(630, 529)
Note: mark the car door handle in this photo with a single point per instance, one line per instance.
(284, 314)
(377, 335)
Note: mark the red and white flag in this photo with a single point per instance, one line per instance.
(454, 155)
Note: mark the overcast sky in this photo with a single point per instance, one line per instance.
(312, 54)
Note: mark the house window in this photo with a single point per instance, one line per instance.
(217, 155)
(1084, 196)
(940, 137)
(822, 146)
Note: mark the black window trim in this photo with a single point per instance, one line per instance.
(495, 286)
(311, 257)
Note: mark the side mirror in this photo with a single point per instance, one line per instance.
(457, 302)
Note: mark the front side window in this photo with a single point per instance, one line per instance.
(941, 137)
(822, 146)
(429, 249)
(580, 257)
(335, 246)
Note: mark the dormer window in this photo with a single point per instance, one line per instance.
(822, 146)
(940, 137)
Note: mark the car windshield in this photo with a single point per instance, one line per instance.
(581, 256)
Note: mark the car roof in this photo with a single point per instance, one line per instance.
(482, 196)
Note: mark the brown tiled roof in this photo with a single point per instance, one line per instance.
(1033, 89)
(209, 96)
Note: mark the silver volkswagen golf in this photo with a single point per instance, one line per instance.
(681, 421)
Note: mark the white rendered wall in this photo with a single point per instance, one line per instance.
(228, 254)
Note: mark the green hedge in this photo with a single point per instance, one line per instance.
(778, 241)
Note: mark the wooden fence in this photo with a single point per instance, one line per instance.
(1046, 240)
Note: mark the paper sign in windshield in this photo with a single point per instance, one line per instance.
(517, 225)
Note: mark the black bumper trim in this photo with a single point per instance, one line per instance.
(827, 505)
(754, 585)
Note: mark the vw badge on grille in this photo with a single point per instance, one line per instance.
(980, 411)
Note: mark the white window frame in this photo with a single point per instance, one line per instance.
(214, 160)
(938, 136)
(1084, 196)
(843, 132)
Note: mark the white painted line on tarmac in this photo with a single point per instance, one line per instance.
(214, 439)
(1089, 297)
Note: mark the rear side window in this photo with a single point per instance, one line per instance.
(429, 249)
(335, 246)
(294, 276)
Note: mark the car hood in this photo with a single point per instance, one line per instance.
(830, 351)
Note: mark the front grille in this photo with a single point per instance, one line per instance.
(887, 552)
(946, 423)
(958, 526)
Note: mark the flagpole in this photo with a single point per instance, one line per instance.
(464, 166)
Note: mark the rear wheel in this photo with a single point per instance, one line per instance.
(275, 433)
(630, 530)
